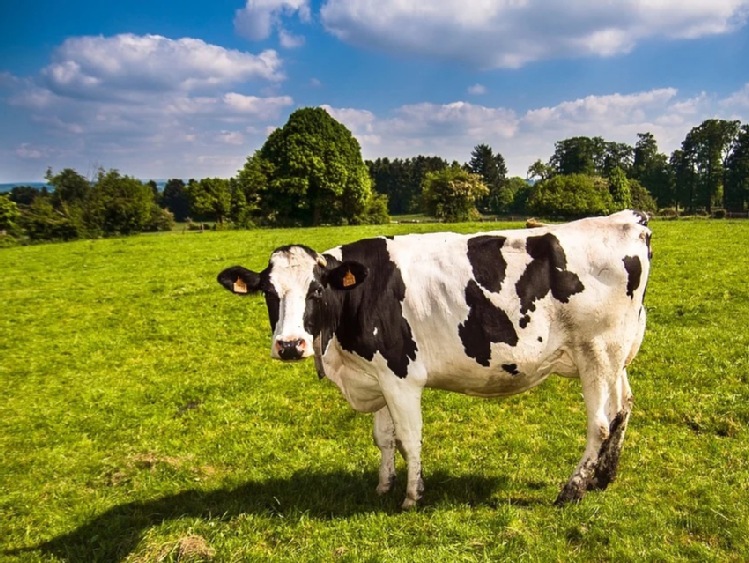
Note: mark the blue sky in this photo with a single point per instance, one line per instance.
(189, 89)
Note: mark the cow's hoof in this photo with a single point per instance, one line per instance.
(385, 488)
(409, 504)
(573, 492)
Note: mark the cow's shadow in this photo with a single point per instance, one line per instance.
(114, 534)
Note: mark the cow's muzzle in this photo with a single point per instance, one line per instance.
(290, 349)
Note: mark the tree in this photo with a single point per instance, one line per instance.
(451, 194)
(315, 173)
(641, 198)
(540, 171)
(685, 177)
(737, 172)
(8, 214)
(621, 196)
(40, 221)
(651, 168)
(25, 195)
(708, 146)
(210, 199)
(517, 191)
(118, 204)
(577, 155)
(175, 199)
(571, 195)
(493, 172)
(400, 180)
(69, 187)
(615, 155)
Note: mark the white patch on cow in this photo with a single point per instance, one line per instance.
(291, 275)
(374, 332)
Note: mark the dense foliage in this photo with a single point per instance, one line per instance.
(310, 172)
(451, 194)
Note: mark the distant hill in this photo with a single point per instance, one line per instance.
(9, 186)
(4, 188)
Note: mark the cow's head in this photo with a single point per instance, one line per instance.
(298, 284)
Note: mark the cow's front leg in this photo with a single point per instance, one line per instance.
(404, 404)
(384, 437)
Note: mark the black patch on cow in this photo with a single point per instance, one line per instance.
(642, 217)
(634, 273)
(540, 339)
(487, 262)
(512, 369)
(485, 325)
(546, 273)
(369, 318)
(647, 243)
(273, 303)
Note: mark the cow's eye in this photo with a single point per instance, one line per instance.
(315, 292)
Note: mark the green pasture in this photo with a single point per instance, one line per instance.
(142, 419)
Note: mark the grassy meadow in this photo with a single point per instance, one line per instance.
(142, 420)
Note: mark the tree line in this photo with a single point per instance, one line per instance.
(310, 172)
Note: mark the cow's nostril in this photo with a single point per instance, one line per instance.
(290, 349)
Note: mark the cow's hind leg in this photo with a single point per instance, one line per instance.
(384, 437)
(620, 407)
(608, 403)
(404, 404)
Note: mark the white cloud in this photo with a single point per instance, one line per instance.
(231, 137)
(453, 130)
(477, 89)
(144, 104)
(128, 65)
(289, 40)
(257, 20)
(511, 33)
(26, 151)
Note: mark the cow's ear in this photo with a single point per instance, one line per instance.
(239, 280)
(346, 276)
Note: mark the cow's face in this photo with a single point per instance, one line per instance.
(297, 285)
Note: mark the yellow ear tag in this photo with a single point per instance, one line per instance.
(349, 279)
(240, 286)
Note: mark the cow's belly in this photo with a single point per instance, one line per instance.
(359, 380)
(508, 375)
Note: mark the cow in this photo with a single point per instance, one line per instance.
(488, 314)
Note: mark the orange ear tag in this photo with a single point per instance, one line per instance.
(349, 279)
(240, 286)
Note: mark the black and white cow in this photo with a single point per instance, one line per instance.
(488, 314)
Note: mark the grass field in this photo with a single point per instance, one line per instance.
(143, 420)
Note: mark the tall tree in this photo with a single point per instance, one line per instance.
(175, 199)
(651, 168)
(709, 145)
(737, 172)
(540, 171)
(577, 155)
(318, 175)
(685, 177)
(621, 195)
(493, 172)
